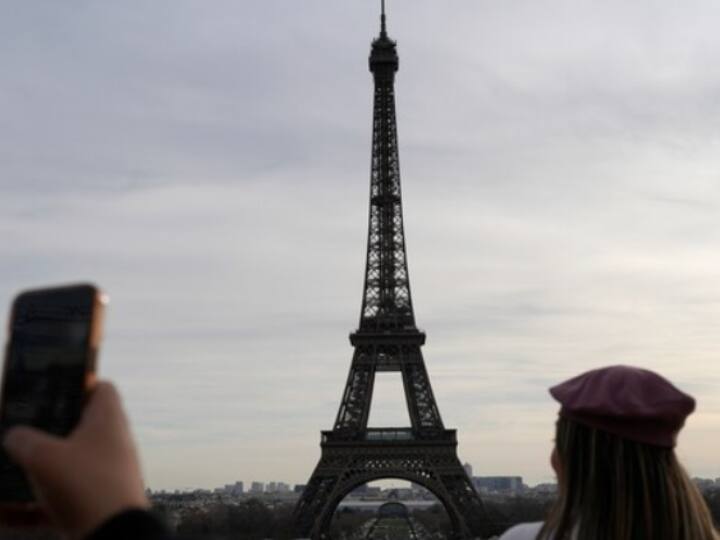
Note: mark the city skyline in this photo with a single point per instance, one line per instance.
(279, 486)
(208, 166)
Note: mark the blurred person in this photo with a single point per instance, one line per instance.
(89, 484)
(617, 472)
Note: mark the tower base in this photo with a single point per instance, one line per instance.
(347, 462)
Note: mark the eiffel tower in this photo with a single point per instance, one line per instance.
(388, 340)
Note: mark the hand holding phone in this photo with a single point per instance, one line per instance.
(49, 368)
(67, 452)
(88, 477)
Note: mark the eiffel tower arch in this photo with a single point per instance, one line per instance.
(387, 340)
(343, 469)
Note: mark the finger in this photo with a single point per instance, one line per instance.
(34, 450)
(104, 406)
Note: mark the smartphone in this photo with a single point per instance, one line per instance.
(50, 363)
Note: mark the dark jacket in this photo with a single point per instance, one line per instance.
(131, 524)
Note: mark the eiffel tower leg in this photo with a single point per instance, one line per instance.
(312, 503)
(423, 409)
(466, 501)
(355, 405)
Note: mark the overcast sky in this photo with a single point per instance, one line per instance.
(207, 164)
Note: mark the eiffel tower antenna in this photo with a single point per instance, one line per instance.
(383, 29)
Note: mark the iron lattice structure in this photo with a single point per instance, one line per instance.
(388, 340)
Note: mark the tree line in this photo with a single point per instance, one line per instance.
(252, 519)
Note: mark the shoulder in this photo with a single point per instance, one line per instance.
(526, 531)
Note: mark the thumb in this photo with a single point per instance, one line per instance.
(34, 450)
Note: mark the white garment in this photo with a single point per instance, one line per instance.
(525, 531)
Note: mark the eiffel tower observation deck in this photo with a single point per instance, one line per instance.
(387, 339)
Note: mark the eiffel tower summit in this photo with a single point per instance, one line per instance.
(387, 339)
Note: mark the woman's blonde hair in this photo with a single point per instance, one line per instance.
(611, 488)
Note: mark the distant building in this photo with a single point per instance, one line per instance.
(547, 488)
(468, 469)
(282, 487)
(498, 484)
(704, 484)
(257, 487)
(420, 493)
(365, 491)
(359, 491)
(403, 493)
(271, 487)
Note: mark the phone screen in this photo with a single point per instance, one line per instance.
(47, 360)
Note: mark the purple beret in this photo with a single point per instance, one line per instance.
(630, 402)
